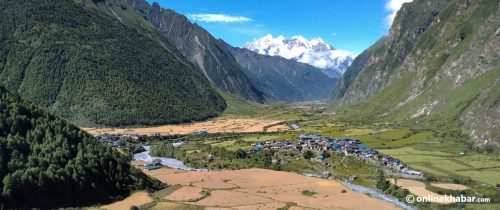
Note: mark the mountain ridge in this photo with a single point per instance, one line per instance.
(284, 80)
(439, 67)
(316, 52)
(210, 55)
(89, 66)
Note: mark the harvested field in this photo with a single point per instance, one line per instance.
(265, 189)
(174, 206)
(228, 198)
(136, 199)
(450, 186)
(273, 205)
(415, 187)
(186, 193)
(216, 125)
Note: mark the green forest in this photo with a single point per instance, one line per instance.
(46, 162)
(91, 68)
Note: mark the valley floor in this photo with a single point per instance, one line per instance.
(249, 189)
(442, 159)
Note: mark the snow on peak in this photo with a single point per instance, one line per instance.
(315, 52)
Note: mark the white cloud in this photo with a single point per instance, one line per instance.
(393, 6)
(220, 18)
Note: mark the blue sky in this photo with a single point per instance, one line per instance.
(351, 25)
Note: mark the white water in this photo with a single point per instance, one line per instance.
(376, 194)
(169, 162)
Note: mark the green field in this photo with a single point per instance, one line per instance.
(480, 168)
(421, 149)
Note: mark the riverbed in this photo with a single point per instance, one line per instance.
(168, 162)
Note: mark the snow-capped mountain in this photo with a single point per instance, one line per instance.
(315, 52)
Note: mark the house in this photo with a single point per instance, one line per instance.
(259, 147)
(320, 158)
(395, 162)
(326, 175)
(114, 144)
(308, 137)
(295, 126)
(152, 166)
(414, 173)
(203, 132)
(209, 159)
(177, 144)
(336, 146)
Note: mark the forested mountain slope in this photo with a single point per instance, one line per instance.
(210, 55)
(86, 64)
(47, 163)
(282, 79)
(439, 65)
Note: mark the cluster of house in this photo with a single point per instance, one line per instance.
(115, 140)
(347, 146)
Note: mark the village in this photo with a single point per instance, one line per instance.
(312, 142)
(347, 146)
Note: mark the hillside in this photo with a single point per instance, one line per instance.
(438, 67)
(282, 79)
(47, 163)
(88, 65)
(210, 55)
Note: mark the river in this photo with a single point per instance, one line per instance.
(376, 194)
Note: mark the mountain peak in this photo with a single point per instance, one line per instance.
(315, 52)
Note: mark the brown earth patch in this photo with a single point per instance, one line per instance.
(450, 186)
(136, 199)
(262, 188)
(174, 206)
(186, 193)
(273, 205)
(227, 198)
(216, 125)
(415, 187)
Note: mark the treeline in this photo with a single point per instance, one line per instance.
(46, 162)
(87, 66)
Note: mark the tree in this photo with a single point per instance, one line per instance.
(45, 162)
(308, 154)
(382, 182)
(325, 154)
(240, 154)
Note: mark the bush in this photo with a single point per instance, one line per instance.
(240, 154)
(308, 154)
